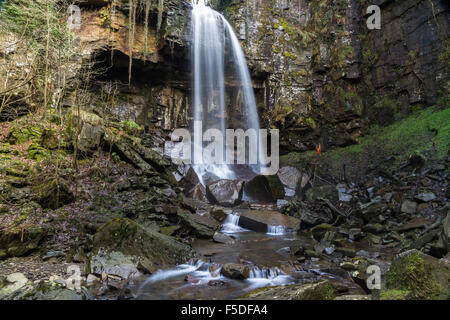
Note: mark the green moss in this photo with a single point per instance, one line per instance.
(130, 127)
(395, 295)
(425, 131)
(412, 273)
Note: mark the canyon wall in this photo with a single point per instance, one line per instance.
(320, 75)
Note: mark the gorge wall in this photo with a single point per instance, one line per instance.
(320, 75)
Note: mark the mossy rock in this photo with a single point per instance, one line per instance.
(54, 195)
(19, 134)
(15, 243)
(321, 290)
(420, 274)
(126, 236)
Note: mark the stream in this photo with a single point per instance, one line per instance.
(267, 255)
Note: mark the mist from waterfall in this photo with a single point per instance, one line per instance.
(212, 38)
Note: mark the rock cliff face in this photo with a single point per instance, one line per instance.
(320, 75)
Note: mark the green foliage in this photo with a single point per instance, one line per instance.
(29, 18)
(130, 127)
(105, 17)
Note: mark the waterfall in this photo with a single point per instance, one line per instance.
(231, 224)
(212, 37)
(276, 230)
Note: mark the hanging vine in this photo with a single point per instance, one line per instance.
(160, 14)
(112, 15)
(146, 20)
(131, 33)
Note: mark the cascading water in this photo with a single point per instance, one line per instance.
(231, 224)
(212, 36)
(276, 230)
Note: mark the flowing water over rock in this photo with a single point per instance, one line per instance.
(212, 38)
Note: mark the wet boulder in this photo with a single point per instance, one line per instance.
(264, 189)
(322, 290)
(261, 220)
(227, 193)
(235, 271)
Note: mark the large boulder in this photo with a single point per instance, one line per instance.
(113, 263)
(227, 193)
(197, 225)
(264, 189)
(85, 129)
(235, 271)
(15, 243)
(260, 220)
(126, 236)
(419, 276)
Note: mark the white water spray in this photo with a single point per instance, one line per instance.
(231, 224)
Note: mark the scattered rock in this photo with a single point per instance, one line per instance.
(12, 284)
(425, 197)
(354, 297)
(409, 206)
